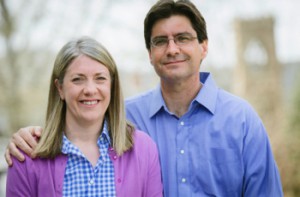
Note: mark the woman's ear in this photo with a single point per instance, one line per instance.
(59, 89)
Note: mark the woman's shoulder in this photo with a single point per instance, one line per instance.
(34, 164)
(28, 161)
(34, 175)
(143, 142)
(142, 137)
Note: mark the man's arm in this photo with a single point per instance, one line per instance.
(24, 139)
(262, 177)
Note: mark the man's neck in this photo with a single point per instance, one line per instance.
(178, 96)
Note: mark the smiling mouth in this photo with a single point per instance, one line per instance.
(90, 102)
(173, 62)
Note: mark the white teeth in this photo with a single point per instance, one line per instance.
(90, 102)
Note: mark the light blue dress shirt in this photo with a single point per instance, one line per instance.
(218, 148)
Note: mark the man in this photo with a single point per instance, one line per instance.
(211, 143)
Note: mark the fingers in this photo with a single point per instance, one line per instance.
(24, 139)
(36, 131)
(18, 140)
(12, 149)
(8, 157)
(30, 135)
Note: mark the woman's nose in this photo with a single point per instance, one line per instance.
(90, 88)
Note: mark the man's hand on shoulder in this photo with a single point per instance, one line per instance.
(24, 139)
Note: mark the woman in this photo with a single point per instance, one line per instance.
(87, 147)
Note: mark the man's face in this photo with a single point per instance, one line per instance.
(176, 61)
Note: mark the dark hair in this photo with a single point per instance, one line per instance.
(167, 8)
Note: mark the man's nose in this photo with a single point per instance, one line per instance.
(172, 47)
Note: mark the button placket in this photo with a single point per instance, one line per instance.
(182, 154)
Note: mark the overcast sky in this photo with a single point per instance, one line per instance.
(219, 15)
(120, 27)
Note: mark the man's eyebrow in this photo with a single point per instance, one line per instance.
(160, 37)
(180, 33)
(183, 33)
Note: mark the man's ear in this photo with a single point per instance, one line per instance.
(59, 89)
(150, 56)
(204, 45)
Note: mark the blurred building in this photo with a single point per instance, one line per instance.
(268, 85)
(258, 75)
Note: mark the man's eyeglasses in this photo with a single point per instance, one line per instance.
(180, 39)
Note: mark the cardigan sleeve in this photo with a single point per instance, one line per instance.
(17, 182)
(137, 171)
(154, 182)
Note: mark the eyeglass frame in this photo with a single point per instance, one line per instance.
(176, 40)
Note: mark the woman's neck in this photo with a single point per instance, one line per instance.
(85, 136)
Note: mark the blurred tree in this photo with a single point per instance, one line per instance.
(295, 114)
(28, 35)
(21, 66)
(293, 142)
(9, 70)
(289, 152)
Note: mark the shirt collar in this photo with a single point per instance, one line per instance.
(105, 133)
(157, 102)
(207, 96)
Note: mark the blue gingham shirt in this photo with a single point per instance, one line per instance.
(81, 178)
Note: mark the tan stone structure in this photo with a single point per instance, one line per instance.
(257, 75)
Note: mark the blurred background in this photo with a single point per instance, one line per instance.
(253, 52)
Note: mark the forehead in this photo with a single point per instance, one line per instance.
(172, 26)
(85, 64)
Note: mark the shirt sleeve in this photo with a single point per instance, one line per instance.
(261, 173)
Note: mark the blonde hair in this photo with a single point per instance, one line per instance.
(120, 130)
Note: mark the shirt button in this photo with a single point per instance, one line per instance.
(119, 180)
(115, 157)
(182, 151)
(182, 123)
(183, 180)
(91, 182)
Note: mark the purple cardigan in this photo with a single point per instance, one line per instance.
(137, 173)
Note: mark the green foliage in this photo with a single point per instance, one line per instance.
(293, 145)
(295, 111)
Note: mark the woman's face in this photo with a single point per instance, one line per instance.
(86, 89)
